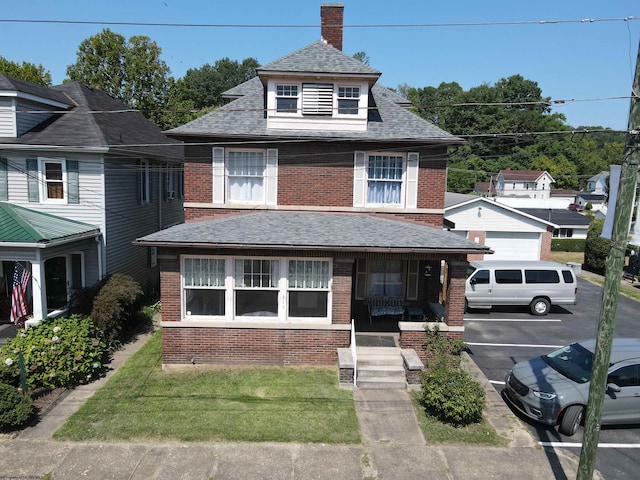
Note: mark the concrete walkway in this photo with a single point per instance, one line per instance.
(393, 447)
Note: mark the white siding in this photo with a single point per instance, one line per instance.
(482, 216)
(7, 118)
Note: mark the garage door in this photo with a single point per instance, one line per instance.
(513, 246)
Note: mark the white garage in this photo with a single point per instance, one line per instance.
(514, 245)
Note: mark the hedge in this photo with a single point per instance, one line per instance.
(568, 244)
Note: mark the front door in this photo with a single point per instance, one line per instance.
(55, 274)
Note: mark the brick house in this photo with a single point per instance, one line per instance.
(313, 198)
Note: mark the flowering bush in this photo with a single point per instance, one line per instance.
(57, 353)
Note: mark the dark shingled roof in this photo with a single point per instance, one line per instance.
(124, 131)
(17, 84)
(319, 57)
(311, 230)
(559, 216)
(244, 117)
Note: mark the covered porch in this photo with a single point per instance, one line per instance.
(58, 254)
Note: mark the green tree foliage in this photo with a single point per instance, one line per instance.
(15, 410)
(512, 105)
(130, 70)
(204, 86)
(362, 56)
(26, 71)
(597, 248)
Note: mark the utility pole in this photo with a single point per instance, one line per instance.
(613, 273)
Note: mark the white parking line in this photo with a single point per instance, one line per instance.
(579, 445)
(512, 320)
(524, 345)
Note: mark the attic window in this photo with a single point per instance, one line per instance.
(287, 98)
(317, 99)
(348, 100)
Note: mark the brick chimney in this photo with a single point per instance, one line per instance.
(331, 16)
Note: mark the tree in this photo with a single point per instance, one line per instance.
(596, 248)
(204, 86)
(362, 56)
(131, 71)
(26, 71)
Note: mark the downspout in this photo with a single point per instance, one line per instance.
(100, 266)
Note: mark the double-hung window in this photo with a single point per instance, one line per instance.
(143, 181)
(308, 288)
(53, 173)
(384, 179)
(256, 287)
(246, 170)
(204, 286)
(52, 180)
(348, 100)
(287, 98)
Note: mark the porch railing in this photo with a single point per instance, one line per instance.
(354, 354)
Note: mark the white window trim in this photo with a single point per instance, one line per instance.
(403, 181)
(360, 100)
(145, 183)
(44, 198)
(230, 289)
(298, 97)
(220, 181)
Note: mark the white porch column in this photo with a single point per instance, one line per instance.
(38, 288)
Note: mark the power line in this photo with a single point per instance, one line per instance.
(347, 26)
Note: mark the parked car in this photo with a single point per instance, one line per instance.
(553, 389)
(576, 207)
(537, 285)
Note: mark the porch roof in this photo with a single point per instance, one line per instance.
(357, 232)
(19, 225)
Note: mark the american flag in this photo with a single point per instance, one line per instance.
(21, 279)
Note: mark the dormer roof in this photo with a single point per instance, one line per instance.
(19, 86)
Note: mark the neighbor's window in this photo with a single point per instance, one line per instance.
(256, 287)
(308, 288)
(53, 173)
(246, 171)
(385, 278)
(204, 286)
(287, 98)
(348, 99)
(384, 179)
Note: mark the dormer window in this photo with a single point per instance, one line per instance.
(348, 99)
(287, 98)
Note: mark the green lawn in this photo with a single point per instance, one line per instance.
(272, 404)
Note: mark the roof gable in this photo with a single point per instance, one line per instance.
(523, 175)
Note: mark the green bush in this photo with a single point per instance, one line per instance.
(568, 244)
(15, 409)
(442, 351)
(57, 353)
(452, 396)
(115, 306)
(597, 248)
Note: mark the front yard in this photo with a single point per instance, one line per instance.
(141, 402)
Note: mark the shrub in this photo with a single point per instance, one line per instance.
(597, 248)
(57, 353)
(452, 396)
(568, 244)
(442, 351)
(15, 409)
(115, 305)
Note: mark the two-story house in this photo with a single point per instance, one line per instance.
(313, 198)
(523, 184)
(81, 176)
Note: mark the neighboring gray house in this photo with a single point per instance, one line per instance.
(596, 192)
(81, 176)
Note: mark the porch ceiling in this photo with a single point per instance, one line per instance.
(313, 230)
(19, 225)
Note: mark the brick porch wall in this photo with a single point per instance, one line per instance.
(545, 247)
(481, 235)
(416, 340)
(251, 346)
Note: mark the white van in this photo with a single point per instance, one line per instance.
(510, 282)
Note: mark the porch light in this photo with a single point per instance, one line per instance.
(427, 270)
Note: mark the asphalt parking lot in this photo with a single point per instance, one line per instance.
(501, 337)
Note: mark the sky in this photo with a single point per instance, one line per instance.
(415, 42)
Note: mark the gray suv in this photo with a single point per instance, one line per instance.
(553, 388)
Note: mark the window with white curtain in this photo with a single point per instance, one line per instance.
(256, 287)
(384, 179)
(308, 288)
(204, 286)
(246, 170)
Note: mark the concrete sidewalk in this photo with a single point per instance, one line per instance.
(393, 447)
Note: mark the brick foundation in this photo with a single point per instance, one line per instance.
(251, 346)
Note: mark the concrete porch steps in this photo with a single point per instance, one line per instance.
(380, 367)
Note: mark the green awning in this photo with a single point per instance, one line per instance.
(26, 226)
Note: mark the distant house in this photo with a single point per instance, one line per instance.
(524, 184)
(512, 234)
(567, 223)
(596, 192)
(81, 176)
(313, 198)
